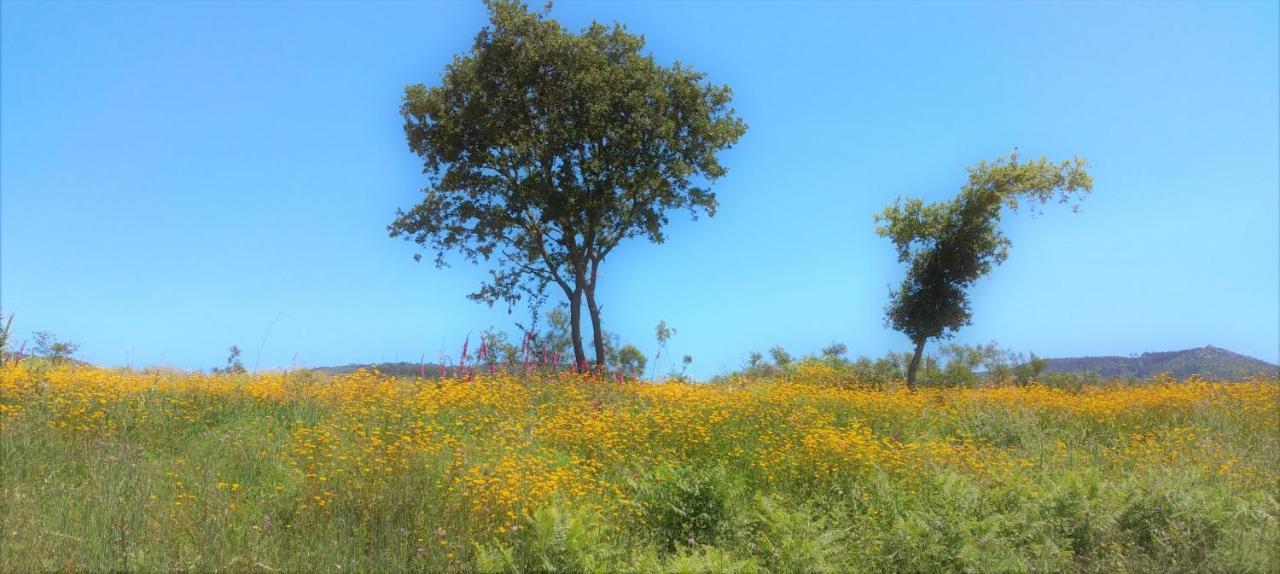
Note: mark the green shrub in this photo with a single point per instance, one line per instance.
(686, 506)
(554, 539)
(704, 560)
(1176, 526)
(795, 540)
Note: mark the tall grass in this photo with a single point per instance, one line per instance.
(119, 470)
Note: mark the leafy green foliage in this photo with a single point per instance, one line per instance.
(780, 356)
(686, 505)
(48, 346)
(949, 245)
(793, 538)
(954, 365)
(565, 540)
(702, 560)
(629, 360)
(545, 149)
(879, 373)
(500, 351)
(835, 351)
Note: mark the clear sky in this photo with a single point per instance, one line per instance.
(179, 177)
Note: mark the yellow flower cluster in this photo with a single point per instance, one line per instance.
(498, 447)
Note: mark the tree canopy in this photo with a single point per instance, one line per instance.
(949, 245)
(546, 148)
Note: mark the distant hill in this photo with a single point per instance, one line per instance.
(400, 369)
(1209, 362)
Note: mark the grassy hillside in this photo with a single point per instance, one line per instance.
(114, 470)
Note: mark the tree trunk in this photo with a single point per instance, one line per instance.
(575, 327)
(915, 365)
(596, 330)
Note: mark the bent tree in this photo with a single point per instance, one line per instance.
(949, 245)
(544, 149)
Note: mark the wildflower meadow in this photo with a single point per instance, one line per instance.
(803, 470)
(316, 186)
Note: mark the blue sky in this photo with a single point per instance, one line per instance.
(176, 178)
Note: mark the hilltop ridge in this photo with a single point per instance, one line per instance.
(1209, 362)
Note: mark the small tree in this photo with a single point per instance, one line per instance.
(781, 358)
(499, 352)
(233, 364)
(48, 346)
(545, 149)
(661, 333)
(1026, 372)
(834, 351)
(963, 362)
(557, 338)
(630, 361)
(949, 245)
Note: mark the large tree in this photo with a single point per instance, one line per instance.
(949, 245)
(546, 148)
